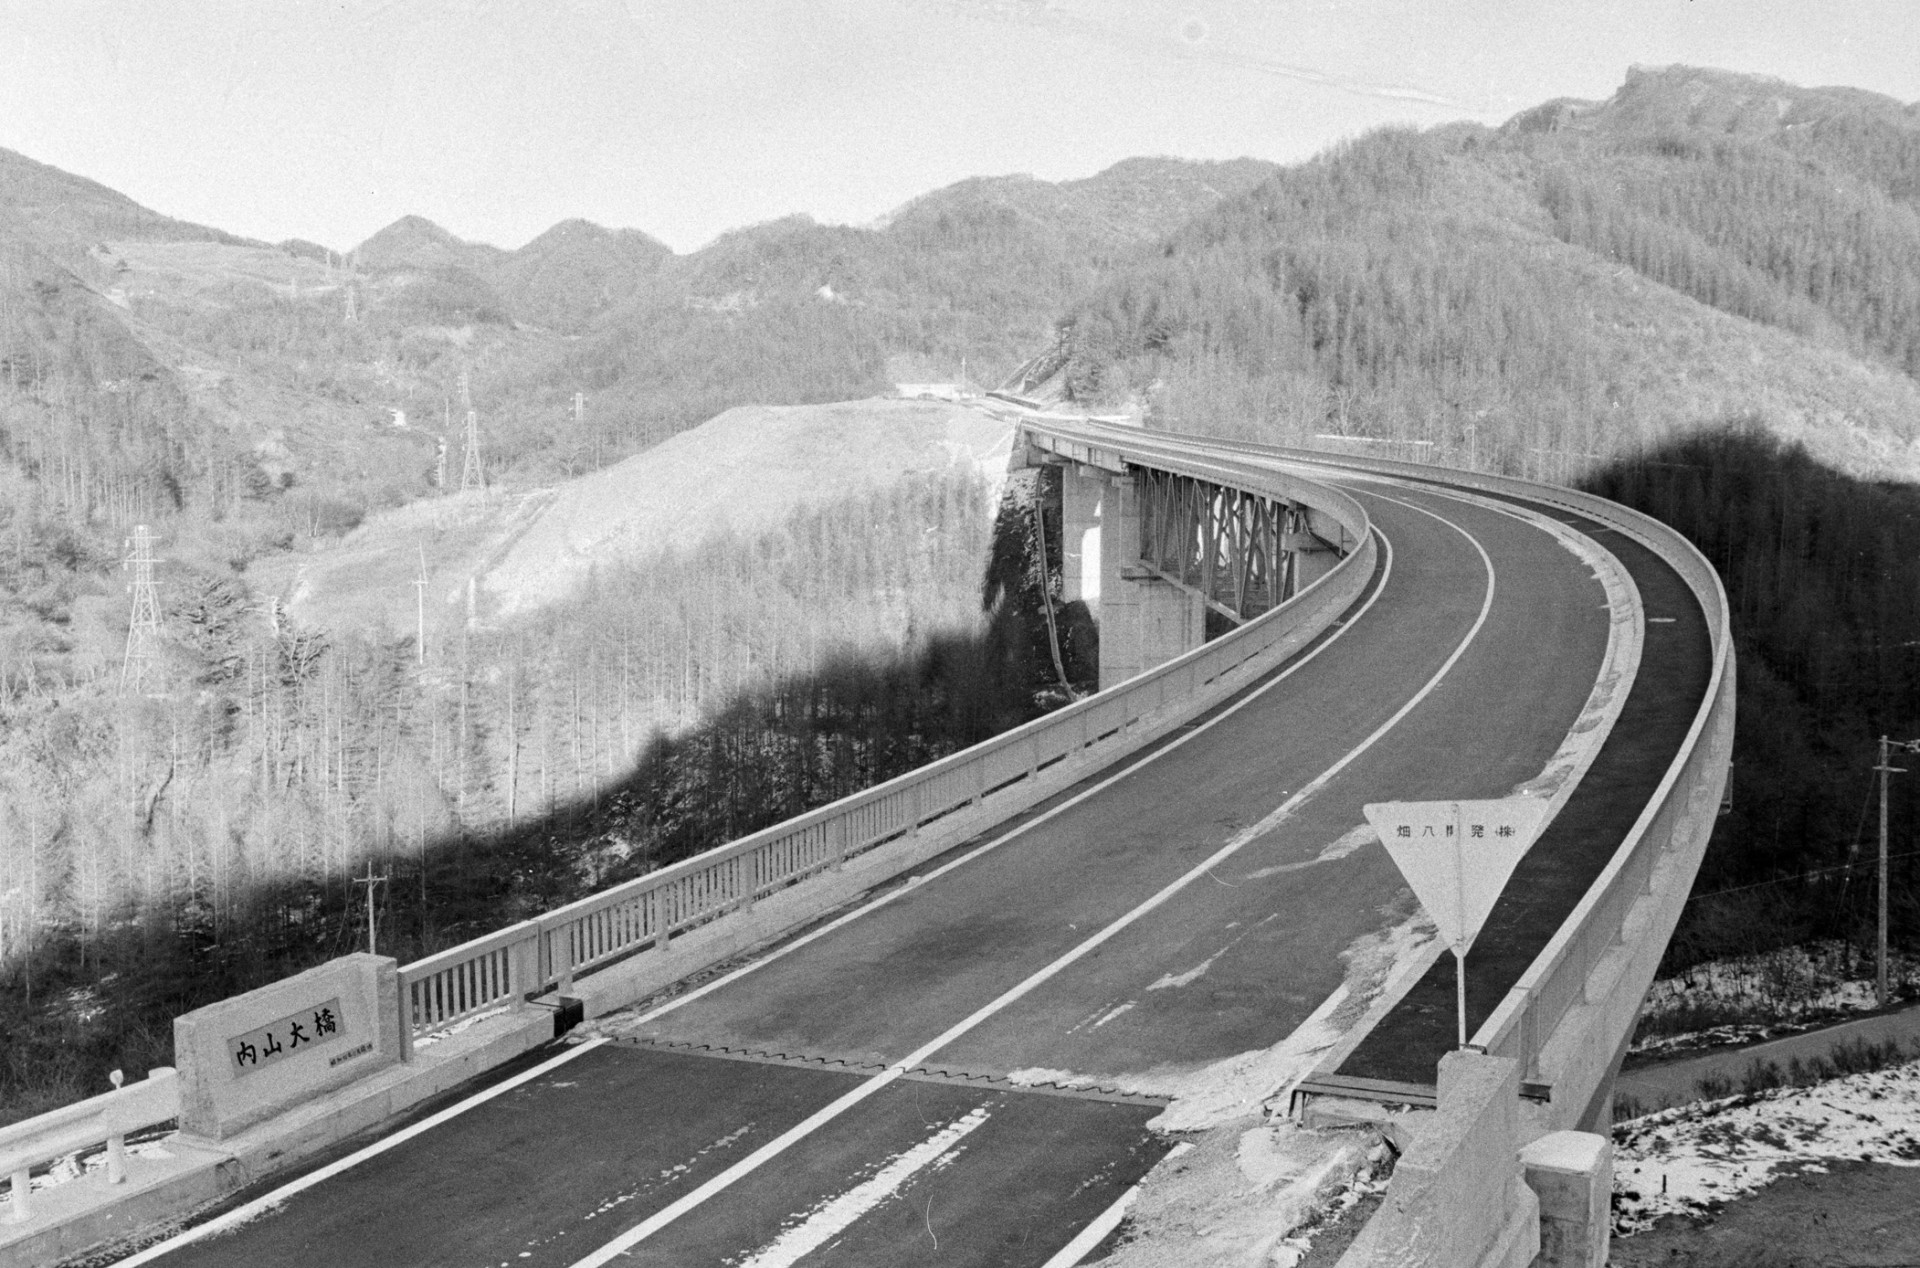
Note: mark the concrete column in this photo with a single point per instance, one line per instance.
(1144, 620)
(1082, 490)
(1572, 1175)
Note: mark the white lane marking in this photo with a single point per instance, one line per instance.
(268, 1201)
(241, 1214)
(780, 1144)
(1093, 1234)
(1339, 628)
(834, 1217)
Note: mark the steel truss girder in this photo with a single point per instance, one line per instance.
(1227, 545)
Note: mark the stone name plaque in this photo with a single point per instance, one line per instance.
(323, 1023)
(254, 1056)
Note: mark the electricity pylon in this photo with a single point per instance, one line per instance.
(140, 670)
(471, 476)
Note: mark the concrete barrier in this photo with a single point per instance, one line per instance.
(248, 1058)
(106, 1119)
(1571, 1175)
(1458, 1197)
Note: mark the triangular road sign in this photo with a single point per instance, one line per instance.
(1458, 855)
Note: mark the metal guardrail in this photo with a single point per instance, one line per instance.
(1683, 804)
(645, 913)
(104, 1119)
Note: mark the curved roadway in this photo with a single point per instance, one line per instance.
(970, 1061)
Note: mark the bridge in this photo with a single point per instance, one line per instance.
(965, 1012)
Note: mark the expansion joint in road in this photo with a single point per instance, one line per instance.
(941, 1073)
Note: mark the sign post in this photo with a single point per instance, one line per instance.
(1458, 856)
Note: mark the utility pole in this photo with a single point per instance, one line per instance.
(370, 880)
(143, 626)
(1886, 768)
(420, 611)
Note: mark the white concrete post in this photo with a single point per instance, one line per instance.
(562, 946)
(1572, 1175)
(22, 1182)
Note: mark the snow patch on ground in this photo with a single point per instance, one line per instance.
(1762, 996)
(1248, 1195)
(1618, 667)
(667, 1174)
(1346, 844)
(1191, 976)
(1036, 1076)
(460, 1027)
(86, 1162)
(1687, 1161)
(1238, 1086)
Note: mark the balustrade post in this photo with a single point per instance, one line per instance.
(657, 914)
(523, 967)
(22, 1182)
(404, 999)
(117, 1158)
(839, 831)
(562, 950)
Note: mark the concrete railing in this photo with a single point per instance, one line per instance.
(106, 1119)
(1458, 1197)
(1679, 815)
(643, 915)
(1681, 812)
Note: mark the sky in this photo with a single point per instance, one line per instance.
(328, 119)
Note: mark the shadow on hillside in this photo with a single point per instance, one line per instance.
(772, 753)
(1823, 582)
(106, 997)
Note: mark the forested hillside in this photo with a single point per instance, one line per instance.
(1823, 580)
(1581, 283)
(1582, 294)
(1700, 297)
(160, 851)
(253, 404)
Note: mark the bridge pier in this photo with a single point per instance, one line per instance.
(1144, 619)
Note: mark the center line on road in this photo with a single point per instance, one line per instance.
(834, 1217)
(780, 1144)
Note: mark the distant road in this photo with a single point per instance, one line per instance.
(876, 1095)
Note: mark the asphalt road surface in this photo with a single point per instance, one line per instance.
(967, 1070)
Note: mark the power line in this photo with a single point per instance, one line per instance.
(1798, 876)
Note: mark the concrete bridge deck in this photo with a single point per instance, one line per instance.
(1675, 666)
(972, 1061)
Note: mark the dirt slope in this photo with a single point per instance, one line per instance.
(744, 470)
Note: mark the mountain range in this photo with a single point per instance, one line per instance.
(1567, 293)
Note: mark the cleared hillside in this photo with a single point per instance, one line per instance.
(741, 474)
